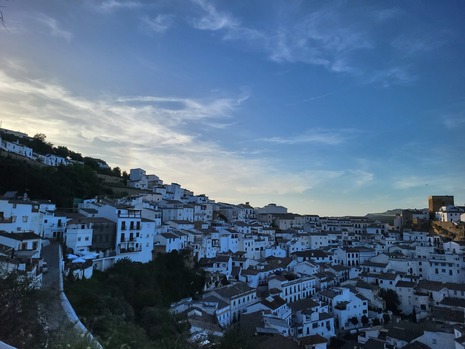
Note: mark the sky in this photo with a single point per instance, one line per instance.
(324, 107)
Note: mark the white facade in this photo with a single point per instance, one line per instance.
(292, 288)
(78, 236)
(16, 148)
(449, 214)
(345, 306)
(20, 216)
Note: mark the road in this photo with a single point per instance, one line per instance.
(54, 313)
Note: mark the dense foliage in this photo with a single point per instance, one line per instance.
(127, 305)
(392, 300)
(20, 323)
(59, 184)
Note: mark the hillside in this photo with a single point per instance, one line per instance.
(60, 184)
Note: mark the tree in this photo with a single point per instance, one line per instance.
(20, 323)
(116, 171)
(391, 298)
(75, 156)
(364, 320)
(354, 320)
(39, 144)
(62, 151)
(40, 137)
(376, 322)
(125, 178)
(386, 318)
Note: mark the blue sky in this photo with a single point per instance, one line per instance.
(325, 107)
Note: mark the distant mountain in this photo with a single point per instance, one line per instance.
(393, 212)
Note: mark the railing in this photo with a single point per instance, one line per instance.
(130, 249)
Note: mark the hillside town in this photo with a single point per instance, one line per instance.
(302, 279)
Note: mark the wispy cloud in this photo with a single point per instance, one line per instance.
(413, 181)
(186, 109)
(140, 132)
(391, 76)
(158, 24)
(321, 38)
(54, 27)
(361, 177)
(417, 42)
(384, 15)
(211, 19)
(454, 121)
(111, 5)
(322, 136)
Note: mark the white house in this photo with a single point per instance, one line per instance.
(312, 318)
(291, 287)
(449, 214)
(346, 306)
(19, 215)
(78, 235)
(16, 148)
(239, 296)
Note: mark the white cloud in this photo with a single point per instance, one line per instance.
(211, 19)
(419, 42)
(410, 182)
(391, 76)
(321, 38)
(322, 136)
(158, 24)
(186, 109)
(361, 177)
(54, 27)
(111, 5)
(137, 132)
(454, 120)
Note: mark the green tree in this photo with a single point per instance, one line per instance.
(234, 339)
(116, 171)
(136, 295)
(75, 156)
(20, 324)
(386, 318)
(39, 144)
(92, 163)
(125, 177)
(61, 151)
(392, 300)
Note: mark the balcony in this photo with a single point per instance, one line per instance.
(130, 249)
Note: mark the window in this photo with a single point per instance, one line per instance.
(25, 219)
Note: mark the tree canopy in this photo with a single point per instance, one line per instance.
(135, 297)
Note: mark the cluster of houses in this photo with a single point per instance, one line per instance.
(300, 278)
(47, 159)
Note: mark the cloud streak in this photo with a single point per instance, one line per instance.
(135, 131)
(112, 5)
(332, 37)
(321, 136)
(54, 27)
(157, 24)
